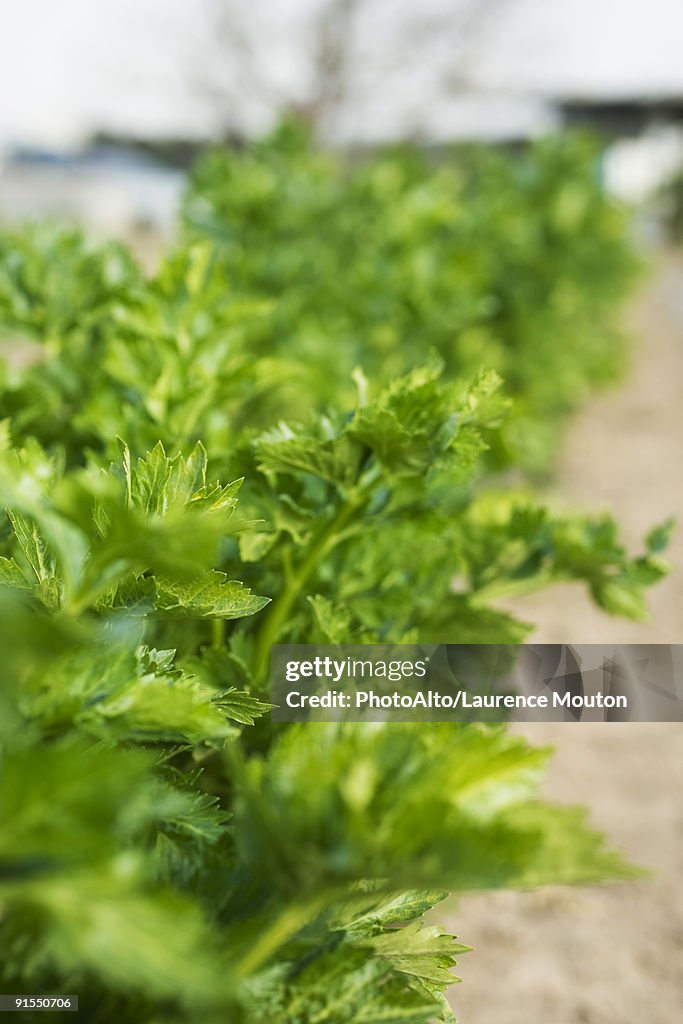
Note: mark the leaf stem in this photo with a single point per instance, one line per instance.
(282, 606)
(501, 589)
(218, 632)
(287, 923)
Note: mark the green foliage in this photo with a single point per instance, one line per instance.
(261, 871)
(296, 268)
(166, 850)
(514, 262)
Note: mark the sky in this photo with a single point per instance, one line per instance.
(142, 66)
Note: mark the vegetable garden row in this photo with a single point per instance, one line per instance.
(314, 423)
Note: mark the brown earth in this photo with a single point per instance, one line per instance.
(608, 954)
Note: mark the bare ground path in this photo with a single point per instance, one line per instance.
(612, 954)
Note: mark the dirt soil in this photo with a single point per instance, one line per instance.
(608, 954)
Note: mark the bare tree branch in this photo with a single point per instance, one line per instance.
(235, 70)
